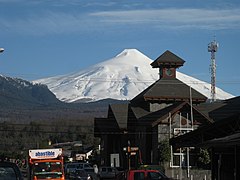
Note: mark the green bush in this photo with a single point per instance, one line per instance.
(204, 158)
(164, 151)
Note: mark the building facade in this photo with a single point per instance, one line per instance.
(132, 132)
(222, 138)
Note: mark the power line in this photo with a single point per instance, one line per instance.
(137, 80)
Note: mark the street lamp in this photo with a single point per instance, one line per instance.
(1, 50)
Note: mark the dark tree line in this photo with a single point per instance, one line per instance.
(17, 139)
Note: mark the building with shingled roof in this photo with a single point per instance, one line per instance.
(222, 138)
(132, 132)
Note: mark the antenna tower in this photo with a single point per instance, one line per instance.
(212, 48)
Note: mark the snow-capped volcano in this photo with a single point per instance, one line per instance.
(122, 77)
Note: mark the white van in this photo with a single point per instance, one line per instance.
(71, 167)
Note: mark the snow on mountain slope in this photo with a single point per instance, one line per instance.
(122, 77)
(203, 87)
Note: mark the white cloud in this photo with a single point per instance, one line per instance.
(174, 18)
(162, 19)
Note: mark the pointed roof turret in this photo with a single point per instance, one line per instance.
(168, 59)
(168, 88)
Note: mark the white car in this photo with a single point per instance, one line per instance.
(72, 167)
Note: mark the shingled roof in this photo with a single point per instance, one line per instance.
(221, 109)
(225, 129)
(169, 90)
(120, 112)
(116, 121)
(168, 58)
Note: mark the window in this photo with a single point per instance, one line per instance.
(154, 175)
(139, 176)
(71, 166)
(80, 166)
(47, 166)
(110, 170)
(104, 169)
(87, 166)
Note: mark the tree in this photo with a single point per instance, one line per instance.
(164, 151)
(204, 158)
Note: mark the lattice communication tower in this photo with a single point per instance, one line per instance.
(212, 48)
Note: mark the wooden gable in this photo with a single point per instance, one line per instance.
(160, 116)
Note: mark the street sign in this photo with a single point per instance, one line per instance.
(130, 149)
(134, 149)
(133, 153)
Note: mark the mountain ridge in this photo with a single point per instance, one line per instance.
(17, 92)
(121, 77)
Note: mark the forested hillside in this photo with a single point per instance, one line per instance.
(31, 117)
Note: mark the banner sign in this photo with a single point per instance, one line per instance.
(45, 153)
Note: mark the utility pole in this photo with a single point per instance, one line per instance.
(129, 155)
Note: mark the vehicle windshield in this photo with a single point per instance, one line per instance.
(155, 175)
(7, 173)
(47, 169)
(81, 173)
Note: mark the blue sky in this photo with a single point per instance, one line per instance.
(44, 38)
